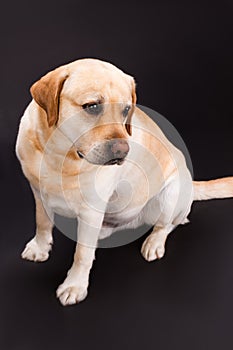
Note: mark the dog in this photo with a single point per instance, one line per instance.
(90, 153)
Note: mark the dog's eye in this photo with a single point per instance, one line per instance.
(93, 108)
(126, 111)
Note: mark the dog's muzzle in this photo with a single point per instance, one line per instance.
(110, 153)
(118, 150)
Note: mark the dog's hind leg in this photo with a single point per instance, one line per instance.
(154, 246)
(175, 203)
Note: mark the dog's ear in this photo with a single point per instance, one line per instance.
(128, 125)
(46, 92)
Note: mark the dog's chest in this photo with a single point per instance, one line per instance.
(65, 195)
(61, 196)
(122, 207)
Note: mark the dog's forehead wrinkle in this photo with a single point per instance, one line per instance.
(110, 82)
(106, 95)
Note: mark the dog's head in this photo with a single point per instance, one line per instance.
(92, 102)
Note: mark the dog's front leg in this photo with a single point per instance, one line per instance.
(37, 249)
(74, 288)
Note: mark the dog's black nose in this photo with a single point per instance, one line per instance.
(119, 148)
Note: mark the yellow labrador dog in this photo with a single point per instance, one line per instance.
(81, 140)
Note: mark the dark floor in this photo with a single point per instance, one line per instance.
(181, 55)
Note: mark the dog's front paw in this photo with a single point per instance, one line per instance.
(71, 294)
(153, 248)
(35, 252)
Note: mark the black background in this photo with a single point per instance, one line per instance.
(181, 55)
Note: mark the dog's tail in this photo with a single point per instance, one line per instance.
(219, 188)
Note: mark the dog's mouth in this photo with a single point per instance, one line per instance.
(114, 161)
(117, 161)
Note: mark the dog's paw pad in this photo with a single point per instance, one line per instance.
(153, 248)
(34, 252)
(69, 295)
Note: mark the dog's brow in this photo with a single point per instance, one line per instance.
(89, 97)
(93, 99)
(86, 98)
